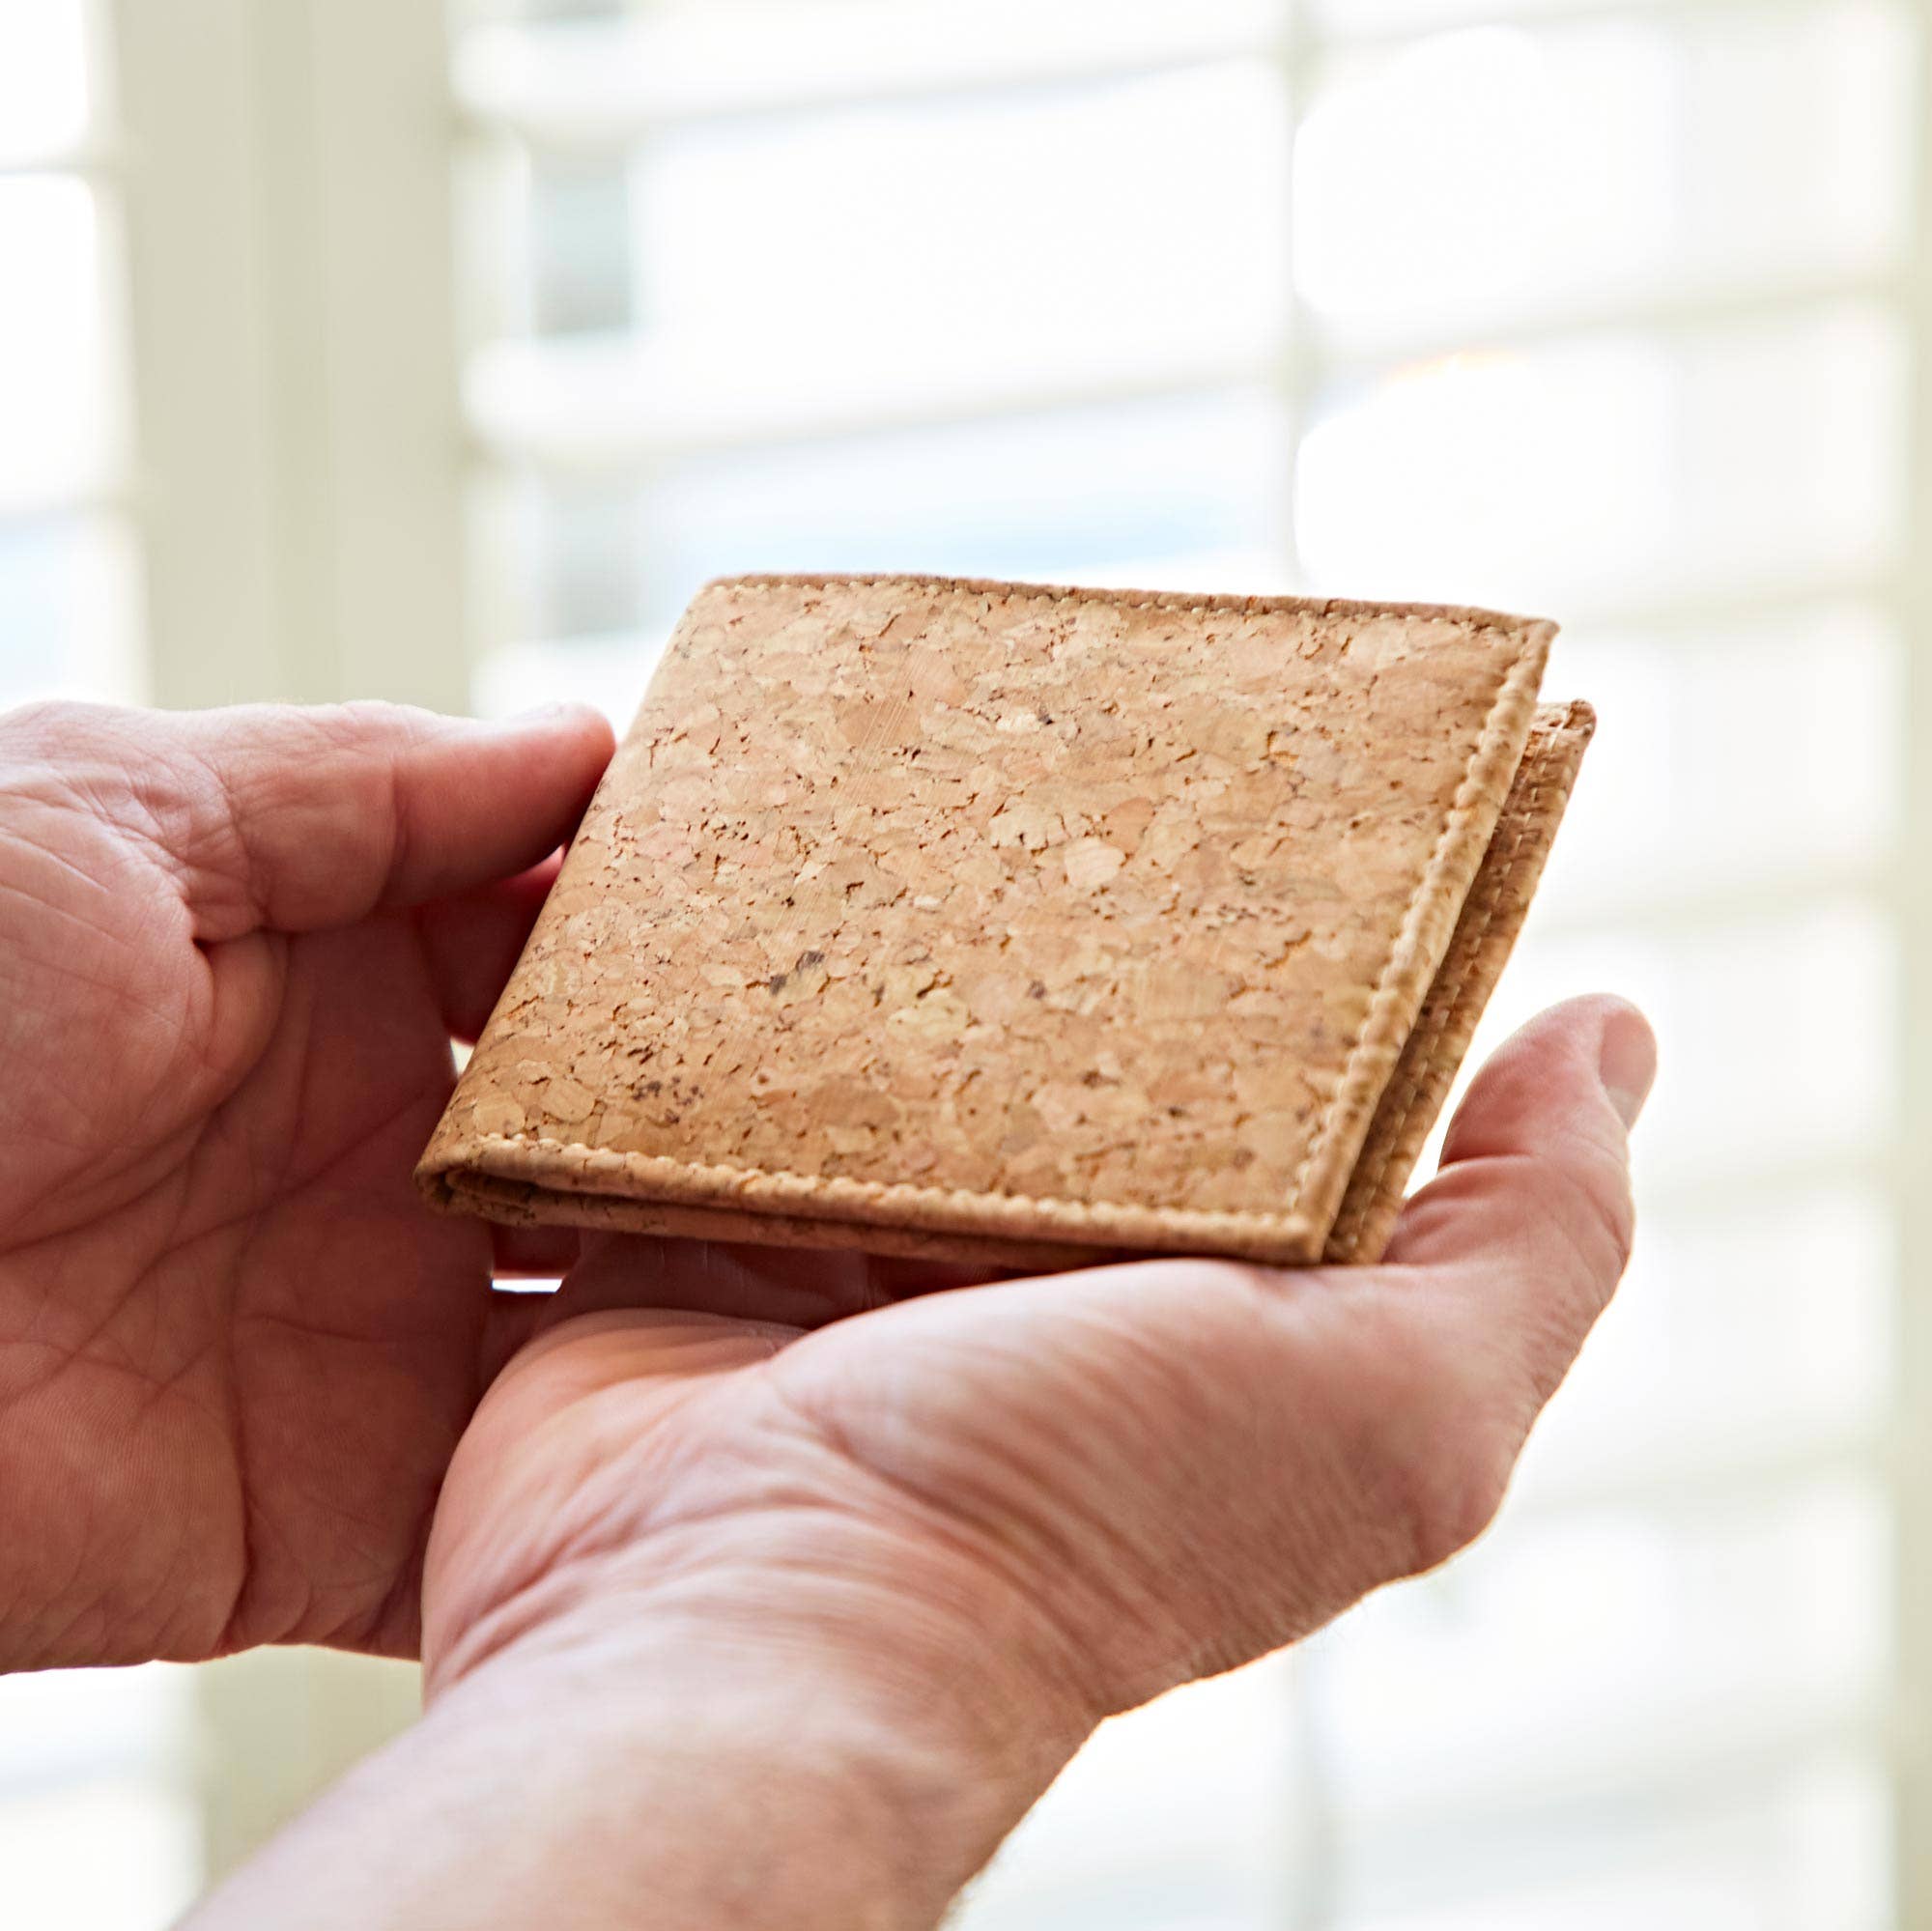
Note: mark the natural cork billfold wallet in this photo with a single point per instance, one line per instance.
(1022, 925)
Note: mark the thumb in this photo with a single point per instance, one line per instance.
(1182, 1465)
(1526, 1230)
(298, 818)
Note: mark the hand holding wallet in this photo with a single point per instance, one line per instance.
(1022, 925)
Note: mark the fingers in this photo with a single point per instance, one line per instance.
(1166, 1468)
(295, 819)
(796, 1287)
(603, 1273)
(1152, 1471)
(1525, 1231)
(472, 943)
(1182, 1464)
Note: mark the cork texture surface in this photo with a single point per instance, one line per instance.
(1486, 933)
(998, 921)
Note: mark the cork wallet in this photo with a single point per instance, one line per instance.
(1021, 925)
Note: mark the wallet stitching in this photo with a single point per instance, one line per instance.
(1350, 1230)
(1179, 602)
(1347, 1232)
(1060, 1206)
(1365, 1042)
(874, 1191)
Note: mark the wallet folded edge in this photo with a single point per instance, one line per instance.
(1423, 938)
(980, 1222)
(1487, 930)
(505, 1176)
(528, 1204)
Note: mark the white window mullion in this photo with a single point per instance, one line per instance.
(300, 439)
(1911, 1195)
(299, 461)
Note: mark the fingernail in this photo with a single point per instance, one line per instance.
(1626, 1061)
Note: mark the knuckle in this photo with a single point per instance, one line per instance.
(50, 726)
(1450, 1495)
(1595, 1204)
(95, 758)
(358, 715)
(1441, 1459)
(1208, 1278)
(375, 721)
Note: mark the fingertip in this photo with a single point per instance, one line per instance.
(1573, 1059)
(583, 727)
(494, 799)
(1545, 1120)
(569, 743)
(1626, 1058)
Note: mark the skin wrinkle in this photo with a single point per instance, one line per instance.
(44, 1135)
(394, 1625)
(80, 1351)
(49, 853)
(680, 1577)
(615, 1517)
(989, 1552)
(397, 861)
(425, 1102)
(135, 812)
(83, 922)
(247, 1621)
(241, 870)
(174, 1382)
(869, 1775)
(249, 1522)
(223, 995)
(231, 1220)
(171, 1634)
(280, 1179)
(68, 1356)
(1610, 1221)
(122, 994)
(1091, 1543)
(1426, 1483)
(235, 863)
(86, 1352)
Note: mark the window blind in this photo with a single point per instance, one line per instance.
(1599, 309)
(1613, 310)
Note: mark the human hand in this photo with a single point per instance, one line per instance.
(773, 1629)
(235, 1352)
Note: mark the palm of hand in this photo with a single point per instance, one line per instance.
(1128, 1476)
(235, 1353)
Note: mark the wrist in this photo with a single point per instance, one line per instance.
(870, 1718)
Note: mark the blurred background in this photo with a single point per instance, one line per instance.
(384, 347)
